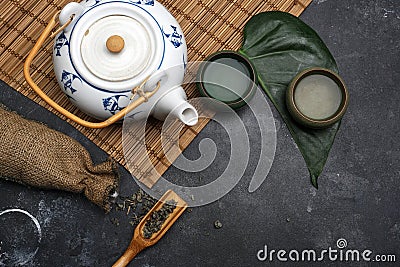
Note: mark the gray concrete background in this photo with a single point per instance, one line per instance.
(357, 199)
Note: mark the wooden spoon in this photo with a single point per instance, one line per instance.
(138, 242)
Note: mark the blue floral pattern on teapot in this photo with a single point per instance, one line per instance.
(175, 38)
(59, 43)
(112, 104)
(67, 78)
(144, 2)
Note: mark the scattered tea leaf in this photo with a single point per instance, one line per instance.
(135, 206)
(115, 221)
(217, 224)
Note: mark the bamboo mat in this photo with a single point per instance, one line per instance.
(208, 26)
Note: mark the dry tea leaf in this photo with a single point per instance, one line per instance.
(157, 219)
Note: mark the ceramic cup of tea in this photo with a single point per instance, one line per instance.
(317, 98)
(228, 77)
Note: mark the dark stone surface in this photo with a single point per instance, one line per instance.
(358, 194)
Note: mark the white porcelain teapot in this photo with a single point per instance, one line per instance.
(109, 52)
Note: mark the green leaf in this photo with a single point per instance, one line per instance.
(280, 46)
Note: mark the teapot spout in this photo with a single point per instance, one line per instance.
(186, 113)
(174, 104)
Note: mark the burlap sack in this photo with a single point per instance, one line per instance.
(35, 155)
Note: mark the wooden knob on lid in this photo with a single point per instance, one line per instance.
(115, 44)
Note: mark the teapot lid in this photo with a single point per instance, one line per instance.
(111, 51)
(114, 47)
